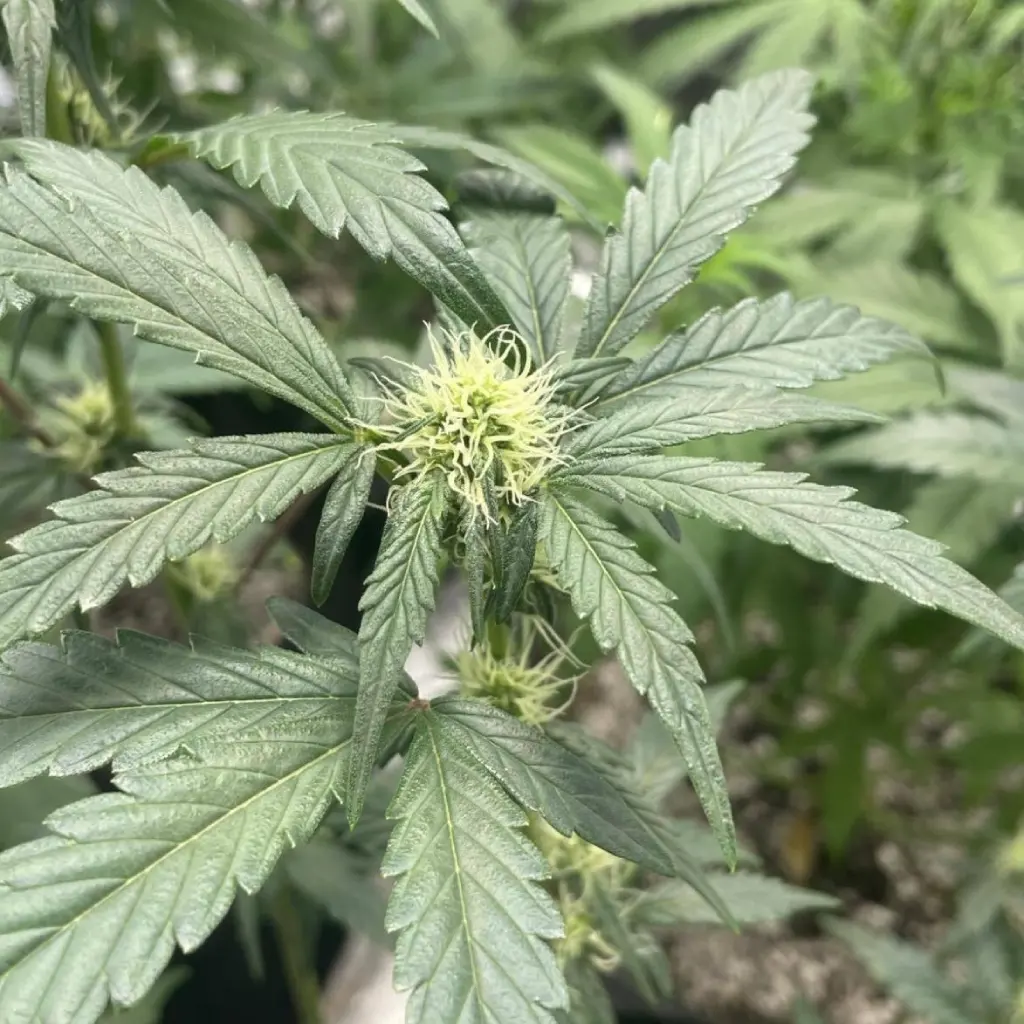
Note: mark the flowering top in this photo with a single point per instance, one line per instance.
(482, 415)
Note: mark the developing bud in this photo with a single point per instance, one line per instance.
(482, 415)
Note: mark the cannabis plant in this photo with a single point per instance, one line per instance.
(509, 455)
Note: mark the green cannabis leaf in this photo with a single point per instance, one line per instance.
(157, 864)
(30, 25)
(129, 251)
(398, 597)
(819, 522)
(513, 451)
(162, 510)
(71, 709)
(527, 259)
(349, 174)
(630, 612)
(466, 899)
(730, 158)
(777, 342)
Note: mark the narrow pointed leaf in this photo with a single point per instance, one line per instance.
(474, 563)
(528, 261)
(819, 522)
(752, 899)
(518, 549)
(342, 513)
(348, 174)
(629, 612)
(731, 157)
(691, 846)
(70, 709)
(398, 598)
(777, 343)
(128, 250)
(965, 518)
(693, 413)
(162, 510)
(30, 25)
(473, 921)
(93, 913)
(420, 13)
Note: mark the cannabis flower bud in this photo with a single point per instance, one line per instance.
(482, 415)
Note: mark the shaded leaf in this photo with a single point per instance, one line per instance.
(752, 899)
(907, 972)
(30, 25)
(527, 259)
(342, 513)
(946, 443)
(162, 510)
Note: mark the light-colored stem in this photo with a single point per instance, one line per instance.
(117, 379)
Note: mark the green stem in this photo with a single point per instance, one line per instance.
(117, 379)
(299, 971)
(58, 122)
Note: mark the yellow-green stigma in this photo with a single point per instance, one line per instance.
(529, 690)
(482, 415)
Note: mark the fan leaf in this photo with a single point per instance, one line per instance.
(629, 612)
(946, 443)
(344, 173)
(819, 522)
(162, 510)
(777, 342)
(693, 413)
(527, 259)
(399, 596)
(472, 919)
(70, 709)
(93, 913)
(731, 157)
(124, 249)
(546, 777)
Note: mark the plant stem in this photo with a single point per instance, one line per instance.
(299, 971)
(117, 378)
(58, 123)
